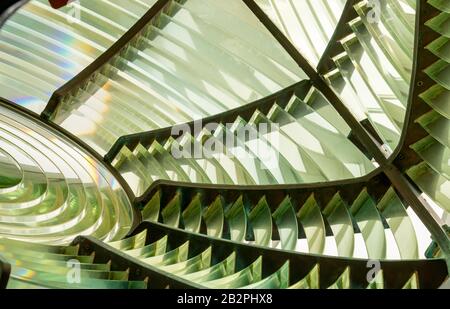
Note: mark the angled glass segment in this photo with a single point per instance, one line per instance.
(54, 190)
(260, 220)
(401, 225)
(412, 283)
(438, 97)
(188, 63)
(304, 142)
(192, 216)
(373, 73)
(174, 256)
(309, 24)
(377, 282)
(172, 212)
(192, 265)
(338, 216)
(199, 224)
(136, 241)
(364, 211)
(439, 24)
(310, 281)
(247, 276)
(287, 225)
(432, 183)
(442, 5)
(237, 220)
(343, 282)
(278, 280)
(151, 209)
(42, 48)
(221, 269)
(311, 220)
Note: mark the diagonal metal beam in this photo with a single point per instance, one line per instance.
(114, 50)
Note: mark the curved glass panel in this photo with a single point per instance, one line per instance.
(188, 63)
(53, 190)
(42, 48)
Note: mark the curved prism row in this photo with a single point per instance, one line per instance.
(305, 142)
(373, 225)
